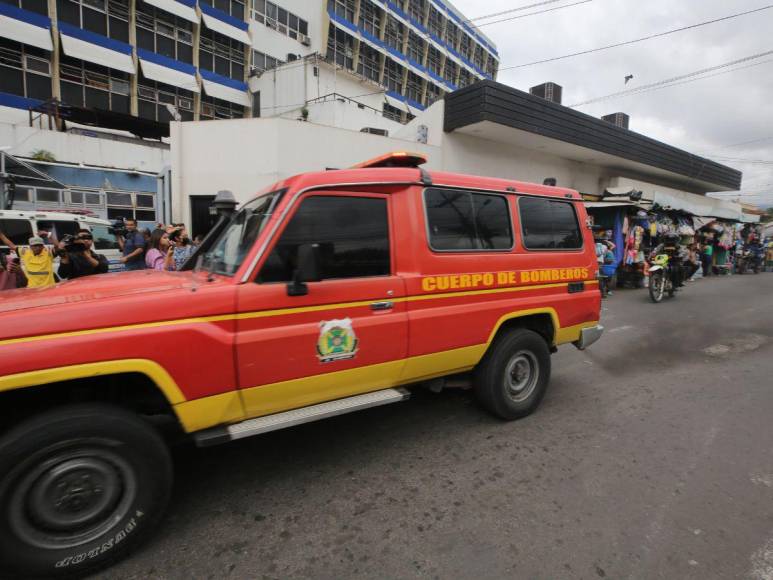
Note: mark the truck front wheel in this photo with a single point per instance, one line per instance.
(80, 487)
(512, 378)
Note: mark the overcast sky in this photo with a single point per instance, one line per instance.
(708, 117)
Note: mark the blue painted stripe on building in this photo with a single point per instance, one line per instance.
(374, 39)
(341, 20)
(437, 78)
(166, 61)
(223, 17)
(398, 55)
(25, 15)
(397, 96)
(417, 65)
(415, 105)
(191, 3)
(94, 38)
(17, 102)
(221, 80)
(397, 10)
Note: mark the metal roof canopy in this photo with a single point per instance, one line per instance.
(24, 174)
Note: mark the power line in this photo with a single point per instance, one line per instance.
(634, 41)
(673, 80)
(533, 13)
(739, 144)
(495, 14)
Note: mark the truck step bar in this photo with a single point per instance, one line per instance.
(278, 421)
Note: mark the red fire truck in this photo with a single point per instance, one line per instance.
(327, 293)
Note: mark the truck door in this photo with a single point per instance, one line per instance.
(349, 334)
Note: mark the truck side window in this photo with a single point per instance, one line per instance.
(549, 224)
(465, 221)
(353, 233)
(18, 231)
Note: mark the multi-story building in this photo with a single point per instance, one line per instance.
(137, 64)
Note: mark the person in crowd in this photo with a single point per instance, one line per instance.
(769, 256)
(11, 273)
(160, 253)
(132, 246)
(197, 239)
(692, 264)
(78, 259)
(707, 256)
(183, 249)
(37, 260)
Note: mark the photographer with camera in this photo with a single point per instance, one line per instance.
(37, 260)
(132, 244)
(11, 274)
(77, 257)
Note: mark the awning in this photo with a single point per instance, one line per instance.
(601, 204)
(697, 204)
(750, 218)
(216, 89)
(231, 28)
(176, 8)
(25, 27)
(168, 71)
(94, 48)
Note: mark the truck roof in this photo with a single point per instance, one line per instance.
(413, 175)
(52, 215)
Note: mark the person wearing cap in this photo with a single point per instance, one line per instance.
(37, 260)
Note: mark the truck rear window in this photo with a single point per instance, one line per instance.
(463, 221)
(549, 224)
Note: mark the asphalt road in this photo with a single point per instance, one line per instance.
(651, 457)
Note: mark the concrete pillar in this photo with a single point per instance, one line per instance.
(56, 90)
(196, 32)
(134, 103)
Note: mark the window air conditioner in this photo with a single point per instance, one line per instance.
(305, 40)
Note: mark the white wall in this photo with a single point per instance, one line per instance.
(278, 45)
(73, 148)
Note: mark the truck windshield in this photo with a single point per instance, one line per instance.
(233, 243)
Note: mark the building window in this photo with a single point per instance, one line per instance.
(280, 20)
(340, 48)
(221, 55)
(434, 60)
(45, 195)
(263, 62)
(465, 78)
(415, 88)
(478, 59)
(450, 71)
(163, 33)
(342, 8)
(415, 47)
(233, 8)
(121, 204)
(353, 232)
(465, 45)
(491, 66)
(88, 198)
(156, 99)
(370, 18)
(212, 108)
(106, 17)
(39, 6)
(394, 33)
(94, 86)
(393, 76)
(465, 221)
(417, 9)
(369, 65)
(548, 224)
(436, 21)
(433, 93)
(24, 70)
(452, 34)
(392, 113)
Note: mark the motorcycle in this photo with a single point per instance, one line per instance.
(661, 278)
(749, 260)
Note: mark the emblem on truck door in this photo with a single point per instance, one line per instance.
(337, 340)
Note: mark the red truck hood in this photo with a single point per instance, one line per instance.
(92, 288)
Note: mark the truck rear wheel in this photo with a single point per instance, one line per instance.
(512, 378)
(80, 487)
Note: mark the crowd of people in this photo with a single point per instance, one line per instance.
(166, 248)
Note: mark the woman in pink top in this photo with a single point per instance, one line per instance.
(160, 253)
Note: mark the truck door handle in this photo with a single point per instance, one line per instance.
(382, 306)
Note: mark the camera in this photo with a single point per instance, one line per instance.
(119, 228)
(71, 246)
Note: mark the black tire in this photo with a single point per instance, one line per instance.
(520, 356)
(657, 286)
(80, 487)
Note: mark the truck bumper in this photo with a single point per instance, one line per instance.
(588, 336)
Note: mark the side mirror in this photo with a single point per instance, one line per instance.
(309, 270)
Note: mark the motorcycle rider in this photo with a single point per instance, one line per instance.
(676, 255)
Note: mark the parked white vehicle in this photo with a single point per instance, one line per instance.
(20, 226)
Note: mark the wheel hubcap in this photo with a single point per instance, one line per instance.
(521, 375)
(72, 497)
